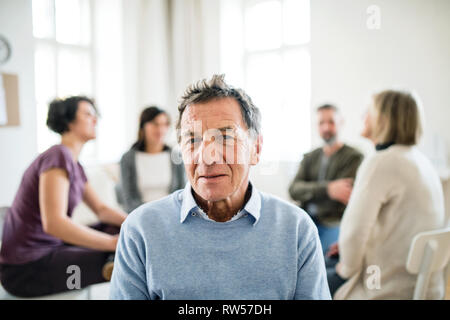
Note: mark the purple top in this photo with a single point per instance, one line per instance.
(24, 239)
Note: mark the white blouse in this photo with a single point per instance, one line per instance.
(153, 175)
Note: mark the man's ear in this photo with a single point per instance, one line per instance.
(256, 150)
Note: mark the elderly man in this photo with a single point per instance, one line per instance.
(324, 181)
(219, 238)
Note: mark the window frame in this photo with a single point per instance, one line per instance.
(56, 47)
(284, 48)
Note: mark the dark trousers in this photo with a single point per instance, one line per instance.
(50, 274)
(334, 280)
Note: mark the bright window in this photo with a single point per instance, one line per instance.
(265, 49)
(63, 59)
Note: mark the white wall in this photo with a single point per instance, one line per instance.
(130, 15)
(167, 46)
(146, 59)
(18, 145)
(411, 50)
(349, 62)
(109, 79)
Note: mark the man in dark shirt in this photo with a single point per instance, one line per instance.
(324, 181)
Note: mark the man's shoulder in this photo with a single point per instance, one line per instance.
(152, 213)
(351, 151)
(313, 153)
(288, 214)
(281, 207)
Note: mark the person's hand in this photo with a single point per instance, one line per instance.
(340, 190)
(333, 250)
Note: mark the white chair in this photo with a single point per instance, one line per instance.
(429, 252)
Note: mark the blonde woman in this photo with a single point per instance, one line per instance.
(397, 194)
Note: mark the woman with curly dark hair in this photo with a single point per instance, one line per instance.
(40, 240)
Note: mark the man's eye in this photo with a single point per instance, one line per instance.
(194, 140)
(227, 137)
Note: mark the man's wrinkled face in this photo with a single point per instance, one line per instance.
(328, 124)
(217, 148)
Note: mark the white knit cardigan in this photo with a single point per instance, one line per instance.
(397, 194)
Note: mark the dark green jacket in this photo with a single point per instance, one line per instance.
(306, 189)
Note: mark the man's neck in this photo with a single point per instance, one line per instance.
(329, 150)
(224, 210)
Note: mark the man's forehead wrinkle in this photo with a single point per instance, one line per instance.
(236, 130)
(206, 117)
(224, 124)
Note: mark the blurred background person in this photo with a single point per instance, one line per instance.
(324, 181)
(40, 241)
(148, 171)
(397, 194)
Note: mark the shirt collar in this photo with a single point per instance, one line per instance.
(253, 205)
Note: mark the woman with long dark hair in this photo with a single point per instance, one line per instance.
(148, 171)
(40, 240)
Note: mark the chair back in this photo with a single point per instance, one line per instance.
(429, 252)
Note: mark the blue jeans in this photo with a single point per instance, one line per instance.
(327, 235)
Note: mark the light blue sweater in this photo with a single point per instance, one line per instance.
(166, 250)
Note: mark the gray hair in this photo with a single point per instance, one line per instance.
(216, 88)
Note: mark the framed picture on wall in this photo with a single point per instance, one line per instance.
(9, 100)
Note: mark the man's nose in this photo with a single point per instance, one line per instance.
(203, 151)
(326, 127)
(208, 152)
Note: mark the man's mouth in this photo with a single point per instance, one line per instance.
(212, 176)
